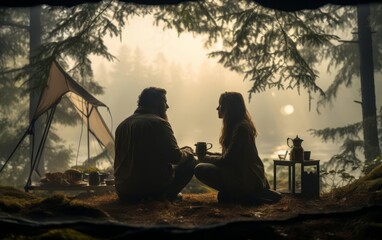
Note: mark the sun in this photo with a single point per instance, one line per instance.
(287, 109)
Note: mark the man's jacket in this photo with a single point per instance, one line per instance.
(145, 148)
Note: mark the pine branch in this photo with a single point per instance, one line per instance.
(333, 134)
(15, 25)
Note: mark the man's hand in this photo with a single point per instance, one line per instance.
(187, 153)
(188, 150)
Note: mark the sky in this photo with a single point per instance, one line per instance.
(193, 98)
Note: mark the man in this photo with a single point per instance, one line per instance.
(148, 162)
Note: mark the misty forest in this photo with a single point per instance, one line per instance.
(322, 67)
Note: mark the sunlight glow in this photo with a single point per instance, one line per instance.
(287, 110)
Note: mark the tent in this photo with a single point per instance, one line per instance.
(60, 84)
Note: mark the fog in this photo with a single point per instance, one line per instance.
(194, 83)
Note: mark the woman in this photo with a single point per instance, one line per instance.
(238, 174)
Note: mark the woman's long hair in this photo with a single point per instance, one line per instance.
(233, 112)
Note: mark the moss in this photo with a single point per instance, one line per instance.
(16, 193)
(368, 231)
(56, 199)
(375, 173)
(369, 183)
(372, 185)
(59, 205)
(84, 210)
(13, 200)
(85, 169)
(63, 234)
(10, 206)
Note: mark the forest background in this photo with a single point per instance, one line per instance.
(147, 55)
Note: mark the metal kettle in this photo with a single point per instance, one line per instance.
(297, 152)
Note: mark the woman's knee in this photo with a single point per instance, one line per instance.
(202, 170)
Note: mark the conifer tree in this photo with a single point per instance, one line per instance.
(31, 39)
(282, 50)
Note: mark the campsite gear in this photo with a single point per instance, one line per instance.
(309, 172)
(202, 147)
(58, 84)
(109, 182)
(297, 152)
(310, 183)
(73, 176)
(306, 155)
(55, 178)
(86, 177)
(94, 178)
(103, 176)
(283, 156)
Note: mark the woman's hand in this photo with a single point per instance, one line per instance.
(214, 153)
(201, 158)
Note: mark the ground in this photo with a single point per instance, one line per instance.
(352, 212)
(203, 209)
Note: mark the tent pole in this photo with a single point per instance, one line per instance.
(32, 142)
(35, 160)
(45, 136)
(31, 157)
(87, 119)
(32, 165)
(14, 150)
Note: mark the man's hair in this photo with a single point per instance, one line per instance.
(150, 96)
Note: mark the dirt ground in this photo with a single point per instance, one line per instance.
(350, 212)
(293, 217)
(99, 215)
(203, 209)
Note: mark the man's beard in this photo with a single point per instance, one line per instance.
(164, 116)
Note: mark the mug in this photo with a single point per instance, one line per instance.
(306, 155)
(94, 178)
(202, 147)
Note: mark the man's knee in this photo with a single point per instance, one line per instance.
(185, 169)
(190, 162)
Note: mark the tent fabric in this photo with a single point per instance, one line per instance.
(59, 83)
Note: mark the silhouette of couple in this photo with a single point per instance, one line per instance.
(150, 165)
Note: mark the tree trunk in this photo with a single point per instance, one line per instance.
(369, 110)
(35, 30)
